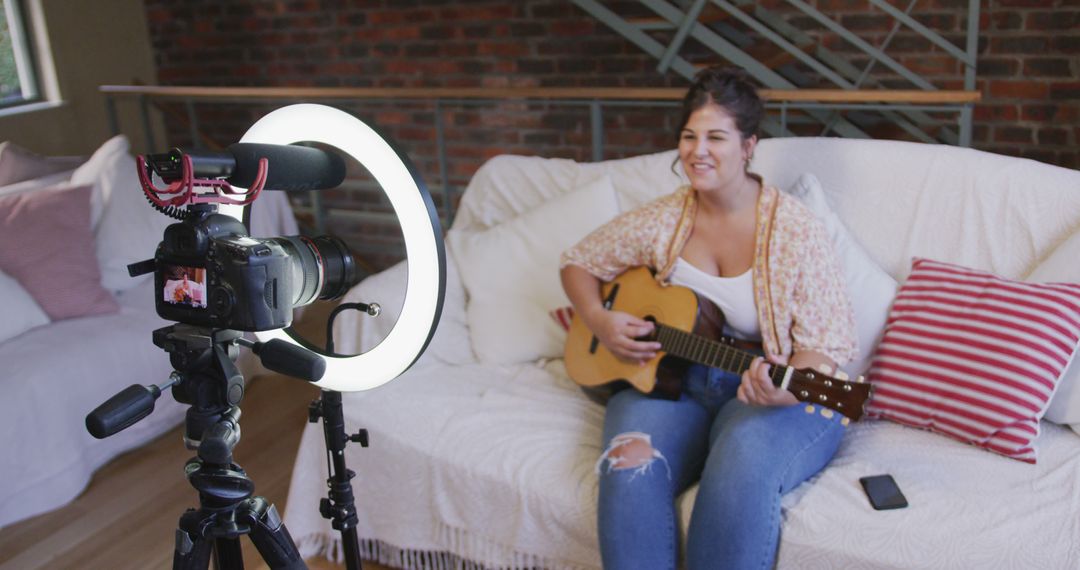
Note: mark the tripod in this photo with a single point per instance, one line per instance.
(213, 385)
(206, 377)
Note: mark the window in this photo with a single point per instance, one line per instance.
(18, 76)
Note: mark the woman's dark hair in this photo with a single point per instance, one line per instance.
(730, 88)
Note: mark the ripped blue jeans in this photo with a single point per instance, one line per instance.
(745, 457)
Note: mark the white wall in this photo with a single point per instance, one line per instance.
(92, 43)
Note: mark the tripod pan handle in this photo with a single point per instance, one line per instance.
(122, 410)
(290, 360)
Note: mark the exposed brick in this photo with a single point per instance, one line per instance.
(862, 22)
(1019, 89)
(1019, 44)
(1013, 135)
(939, 22)
(997, 66)
(1002, 19)
(1039, 113)
(995, 113)
(1021, 3)
(1048, 67)
(1054, 136)
(1066, 43)
(932, 65)
(1054, 20)
(843, 6)
(1027, 69)
(1065, 91)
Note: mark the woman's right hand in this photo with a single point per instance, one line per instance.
(619, 332)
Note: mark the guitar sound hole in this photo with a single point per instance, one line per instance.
(656, 329)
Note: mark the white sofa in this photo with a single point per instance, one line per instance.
(53, 374)
(483, 453)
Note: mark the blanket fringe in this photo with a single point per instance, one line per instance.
(465, 549)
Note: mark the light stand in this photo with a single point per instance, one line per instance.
(339, 506)
(424, 293)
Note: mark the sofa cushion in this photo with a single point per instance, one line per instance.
(1062, 266)
(953, 204)
(511, 273)
(47, 246)
(21, 311)
(870, 288)
(973, 356)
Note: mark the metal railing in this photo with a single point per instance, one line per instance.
(600, 102)
(679, 21)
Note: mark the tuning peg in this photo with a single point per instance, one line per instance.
(861, 379)
(841, 375)
(824, 368)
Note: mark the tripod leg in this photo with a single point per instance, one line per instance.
(270, 536)
(227, 554)
(192, 551)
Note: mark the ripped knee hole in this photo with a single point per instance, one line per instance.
(630, 450)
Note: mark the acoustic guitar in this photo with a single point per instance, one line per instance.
(687, 329)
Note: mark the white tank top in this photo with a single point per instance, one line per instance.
(733, 295)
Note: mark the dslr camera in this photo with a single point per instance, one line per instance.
(208, 271)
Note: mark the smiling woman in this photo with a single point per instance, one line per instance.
(766, 262)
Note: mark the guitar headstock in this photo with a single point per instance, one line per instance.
(834, 392)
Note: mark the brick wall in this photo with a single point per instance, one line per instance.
(1029, 65)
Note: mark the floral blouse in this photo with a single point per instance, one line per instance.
(799, 290)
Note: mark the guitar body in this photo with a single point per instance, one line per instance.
(688, 329)
(636, 292)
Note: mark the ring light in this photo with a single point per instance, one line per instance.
(420, 226)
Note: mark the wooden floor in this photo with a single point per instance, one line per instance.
(127, 517)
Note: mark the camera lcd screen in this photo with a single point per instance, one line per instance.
(185, 286)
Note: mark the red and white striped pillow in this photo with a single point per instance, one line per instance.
(562, 316)
(973, 356)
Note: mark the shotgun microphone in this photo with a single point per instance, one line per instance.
(290, 167)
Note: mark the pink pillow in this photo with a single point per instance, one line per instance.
(18, 164)
(47, 246)
(973, 356)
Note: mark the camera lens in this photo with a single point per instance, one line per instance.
(321, 267)
(339, 267)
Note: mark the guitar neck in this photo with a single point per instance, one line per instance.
(702, 350)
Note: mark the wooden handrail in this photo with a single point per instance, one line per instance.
(913, 96)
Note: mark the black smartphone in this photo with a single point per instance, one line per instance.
(883, 492)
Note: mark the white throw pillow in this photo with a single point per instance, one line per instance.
(130, 228)
(511, 273)
(1062, 267)
(21, 312)
(18, 164)
(871, 289)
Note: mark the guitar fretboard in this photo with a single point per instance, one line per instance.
(697, 348)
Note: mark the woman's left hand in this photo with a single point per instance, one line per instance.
(757, 389)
